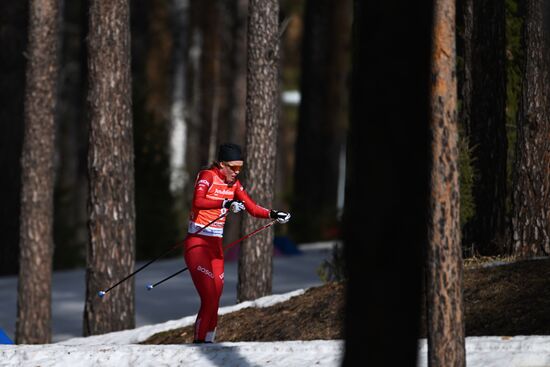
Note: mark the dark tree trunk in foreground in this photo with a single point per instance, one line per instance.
(444, 265)
(385, 215)
(262, 118)
(531, 192)
(111, 170)
(36, 227)
(323, 118)
(488, 125)
(13, 40)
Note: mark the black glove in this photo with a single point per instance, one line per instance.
(282, 217)
(234, 205)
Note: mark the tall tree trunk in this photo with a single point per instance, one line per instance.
(179, 20)
(232, 128)
(203, 86)
(36, 233)
(262, 106)
(322, 125)
(465, 23)
(464, 39)
(531, 192)
(444, 266)
(488, 125)
(179, 177)
(111, 169)
(234, 35)
(13, 40)
(385, 215)
(71, 187)
(155, 220)
(210, 77)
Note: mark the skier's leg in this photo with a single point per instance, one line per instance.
(198, 260)
(218, 270)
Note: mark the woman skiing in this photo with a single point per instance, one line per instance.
(217, 190)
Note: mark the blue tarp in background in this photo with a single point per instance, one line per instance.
(4, 339)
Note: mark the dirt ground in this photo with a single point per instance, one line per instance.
(512, 299)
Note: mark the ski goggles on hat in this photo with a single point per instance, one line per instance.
(234, 167)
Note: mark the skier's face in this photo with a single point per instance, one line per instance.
(231, 170)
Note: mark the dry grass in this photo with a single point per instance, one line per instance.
(506, 300)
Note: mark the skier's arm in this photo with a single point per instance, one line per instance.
(200, 201)
(251, 207)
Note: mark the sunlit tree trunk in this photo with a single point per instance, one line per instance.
(444, 260)
(262, 119)
(531, 192)
(111, 170)
(36, 227)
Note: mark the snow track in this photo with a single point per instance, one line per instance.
(301, 353)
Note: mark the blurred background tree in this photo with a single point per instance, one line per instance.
(13, 42)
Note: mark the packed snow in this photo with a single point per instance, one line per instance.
(120, 349)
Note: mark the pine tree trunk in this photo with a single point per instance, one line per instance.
(531, 192)
(465, 21)
(36, 230)
(111, 171)
(71, 187)
(323, 120)
(155, 220)
(488, 125)
(233, 127)
(238, 86)
(262, 113)
(444, 266)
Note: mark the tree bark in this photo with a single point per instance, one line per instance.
(488, 138)
(36, 227)
(531, 190)
(111, 171)
(444, 266)
(262, 106)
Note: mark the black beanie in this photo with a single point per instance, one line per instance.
(229, 152)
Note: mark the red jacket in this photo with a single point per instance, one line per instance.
(210, 192)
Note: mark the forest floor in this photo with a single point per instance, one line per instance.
(506, 300)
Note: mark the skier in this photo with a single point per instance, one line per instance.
(217, 190)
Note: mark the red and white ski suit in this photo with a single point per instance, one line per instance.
(203, 252)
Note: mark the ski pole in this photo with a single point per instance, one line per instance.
(176, 245)
(151, 286)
